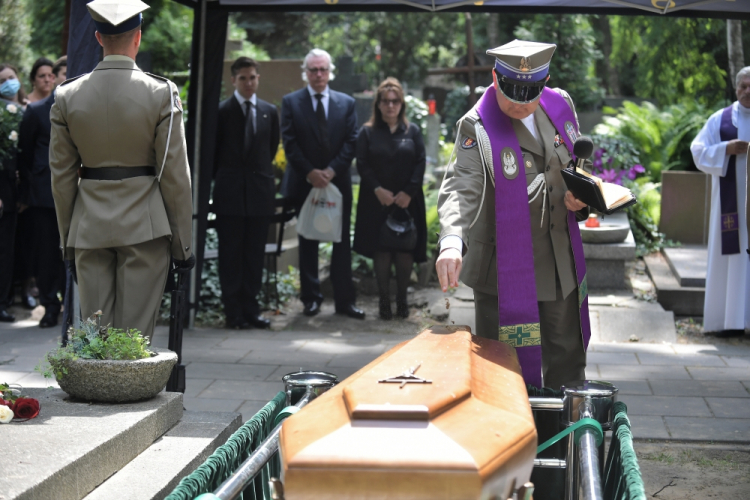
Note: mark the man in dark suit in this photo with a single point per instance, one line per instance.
(36, 192)
(319, 129)
(244, 191)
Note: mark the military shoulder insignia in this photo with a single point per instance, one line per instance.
(559, 141)
(570, 130)
(510, 163)
(468, 143)
(177, 101)
(72, 79)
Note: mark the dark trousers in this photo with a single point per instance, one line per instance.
(341, 267)
(242, 248)
(49, 267)
(563, 357)
(7, 247)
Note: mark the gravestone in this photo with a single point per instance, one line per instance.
(685, 206)
(605, 262)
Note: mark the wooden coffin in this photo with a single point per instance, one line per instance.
(469, 434)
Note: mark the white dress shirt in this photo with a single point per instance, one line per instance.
(324, 100)
(253, 107)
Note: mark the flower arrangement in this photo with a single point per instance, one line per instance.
(94, 341)
(10, 119)
(15, 407)
(616, 159)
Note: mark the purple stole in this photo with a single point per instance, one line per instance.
(730, 224)
(518, 310)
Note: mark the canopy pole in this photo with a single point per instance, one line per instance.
(197, 157)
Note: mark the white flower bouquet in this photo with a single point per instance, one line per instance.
(10, 120)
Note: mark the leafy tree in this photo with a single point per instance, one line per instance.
(47, 20)
(572, 67)
(672, 59)
(14, 33)
(167, 35)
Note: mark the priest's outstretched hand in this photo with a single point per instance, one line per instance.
(737, 147)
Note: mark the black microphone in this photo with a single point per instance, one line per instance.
(582, 149)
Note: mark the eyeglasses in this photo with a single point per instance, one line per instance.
(390, 102)
(318, 70)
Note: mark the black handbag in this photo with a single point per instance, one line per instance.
(398, 233)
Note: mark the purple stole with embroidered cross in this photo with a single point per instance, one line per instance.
(730, 224)
(518, 310)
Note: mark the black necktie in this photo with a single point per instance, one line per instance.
(249, 129)
(320, 113)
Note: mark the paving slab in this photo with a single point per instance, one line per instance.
(710, 373)
(250, 408)
(194, 386)
(619, 325)
(716, 388)
(680, 359)
(709, 429)
(688, 263)
(667, 406)
(641, 372)
(737, 361)
(284, 356)
(632, 388)
(154, 473)
(228, 371)
(241, 390)
(648, 427)
(729, 407)
(208, 403)
(611, 358)
(72, 447)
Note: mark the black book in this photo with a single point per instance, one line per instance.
(604, 197)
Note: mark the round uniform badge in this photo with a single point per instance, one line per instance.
(570, 130)
(510, 163)
(468, 143)
(528, 164)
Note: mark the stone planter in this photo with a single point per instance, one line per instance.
(111, 381)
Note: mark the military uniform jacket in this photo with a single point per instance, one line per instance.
(466, 205)
(119, 116)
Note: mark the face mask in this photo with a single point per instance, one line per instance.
(10, 88)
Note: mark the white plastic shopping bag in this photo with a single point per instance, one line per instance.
(320, 217)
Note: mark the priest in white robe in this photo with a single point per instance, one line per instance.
(726, 309)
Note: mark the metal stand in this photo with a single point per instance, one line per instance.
(301, 388)
(586, 399)
(176, 381)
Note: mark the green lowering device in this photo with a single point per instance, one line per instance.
(228, 457)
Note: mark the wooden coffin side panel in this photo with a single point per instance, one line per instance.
(325, 484)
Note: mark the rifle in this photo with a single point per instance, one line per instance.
(176, 381)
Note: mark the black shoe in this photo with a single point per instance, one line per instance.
(311, 309)
(724, 334)
(385, 309)
(29, 302)
(351, 311)
(6, 317)
(48, 320)
(238, 324)
(402, 308)
(258, 321)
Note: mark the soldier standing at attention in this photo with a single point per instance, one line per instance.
(120, 176)
(505, 206)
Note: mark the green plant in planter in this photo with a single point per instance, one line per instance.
(93, 341)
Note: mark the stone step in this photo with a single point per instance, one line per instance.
(154, 473)
(682, 300)
(72, 447)
(688, 263)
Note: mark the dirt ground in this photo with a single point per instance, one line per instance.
(692, 471)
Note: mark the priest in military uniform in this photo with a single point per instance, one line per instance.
(120, 176)
(508, 223)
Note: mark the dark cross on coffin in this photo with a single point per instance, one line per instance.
(407, 377)
(470, 68)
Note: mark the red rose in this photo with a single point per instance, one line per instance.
(5, 403)
(26, 408)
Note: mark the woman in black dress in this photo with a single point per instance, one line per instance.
(391, 163)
